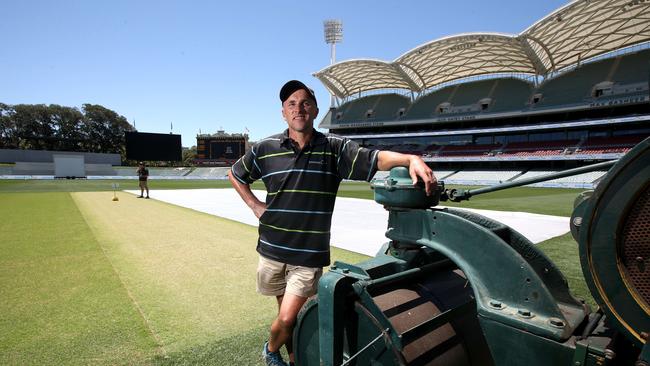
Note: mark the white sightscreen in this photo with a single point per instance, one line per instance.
(69, 166)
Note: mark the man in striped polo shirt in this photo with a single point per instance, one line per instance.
(301, 169)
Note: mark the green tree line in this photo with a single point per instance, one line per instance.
(94, 128)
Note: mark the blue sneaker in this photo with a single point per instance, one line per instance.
(272, 358)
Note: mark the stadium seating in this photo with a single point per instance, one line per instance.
(609, 145)
(462, 98)
(628, 68)
(33, 168)
(574, 87)
(486, 177)
(443, 174)
(153, 171)
(100, 169)
(468, 150)
(6, 170)
(482, 176)
(503, 94)
(440, 174)
(425, 106)
(220, 172)
(577, 86)
(168, 172)
(355, 110)
(471, 93)
(389, 107)
(539, 148)
(585, 180)
(373, 107)
(510, 95)
(125, 171)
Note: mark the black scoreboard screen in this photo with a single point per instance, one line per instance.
(226, 150)
(153, 146)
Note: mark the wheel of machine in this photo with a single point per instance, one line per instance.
(615, 243)
(458, 341)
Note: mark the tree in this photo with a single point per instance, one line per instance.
(104, 130)
(34, 126)
(8, 133)
(189, 155)
(61, 128)
(68, 122)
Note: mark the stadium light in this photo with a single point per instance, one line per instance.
(333, 35)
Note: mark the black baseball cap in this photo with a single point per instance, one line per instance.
(291, 86)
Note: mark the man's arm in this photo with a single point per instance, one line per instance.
(387, 160)
(247, 195)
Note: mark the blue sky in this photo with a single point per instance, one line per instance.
(209, 65)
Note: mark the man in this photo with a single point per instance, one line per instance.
(143, 175)
(301, 170)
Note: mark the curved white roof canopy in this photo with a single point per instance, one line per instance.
(350, 77)
(466, 55)
(578, 31)
(584, 29)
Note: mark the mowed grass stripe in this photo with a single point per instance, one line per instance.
(60, 301)
(192, 274)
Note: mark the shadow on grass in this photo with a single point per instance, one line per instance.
(563, 251)
(242, 349)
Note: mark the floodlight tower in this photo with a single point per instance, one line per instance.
(333, 35)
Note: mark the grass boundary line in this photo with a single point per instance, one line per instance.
(145, 320)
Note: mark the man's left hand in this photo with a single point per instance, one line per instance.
(418, 168)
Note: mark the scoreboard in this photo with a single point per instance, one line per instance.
(153, 146)
(219, 150)
(226, 149)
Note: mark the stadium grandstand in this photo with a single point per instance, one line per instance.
(483, 108)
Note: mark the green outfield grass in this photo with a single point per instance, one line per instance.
(83, 185)
(547, 201)
(62, 302)
(85, 280)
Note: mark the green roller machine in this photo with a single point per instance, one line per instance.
(456, 288)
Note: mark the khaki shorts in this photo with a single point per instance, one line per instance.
(275, 278)
(143, 184)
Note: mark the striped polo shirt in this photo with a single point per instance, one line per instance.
(301, 188)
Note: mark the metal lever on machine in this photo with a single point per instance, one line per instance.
(457, 195)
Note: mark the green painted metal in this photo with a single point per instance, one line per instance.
(518, 300)
(645, 355)
(600, 235)
(352, 329)
(398, 190)
(306, 336)
(580, 205)
(508, 288)
(332, 307)
(580, 354)
(516, 347)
